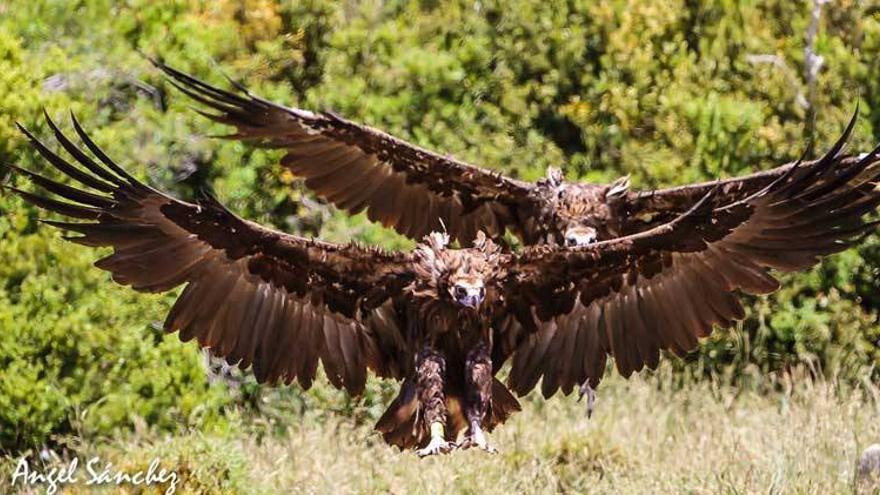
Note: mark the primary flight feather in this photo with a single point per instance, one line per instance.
(416, 191)
(441, 320)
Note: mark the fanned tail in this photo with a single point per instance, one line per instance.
(402, 426)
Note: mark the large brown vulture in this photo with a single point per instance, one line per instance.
(444, 320)
(416, 191)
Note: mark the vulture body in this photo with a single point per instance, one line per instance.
(416, 191)
(441, 320)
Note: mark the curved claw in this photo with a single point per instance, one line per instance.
(590, 392)
(477, 439)
(436, 446)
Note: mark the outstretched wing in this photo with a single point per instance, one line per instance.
(666, 287)
(357, 167)
(640, 210)
(253, 295)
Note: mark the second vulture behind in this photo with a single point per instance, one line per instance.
(417, 191)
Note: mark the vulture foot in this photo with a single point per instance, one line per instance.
(477, 438)
(437, 446)
(590, 392)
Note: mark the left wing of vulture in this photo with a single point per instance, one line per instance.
(359, 168)
(664, 288)
(253, 295)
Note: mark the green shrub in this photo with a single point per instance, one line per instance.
(664, 91)
(80, 355)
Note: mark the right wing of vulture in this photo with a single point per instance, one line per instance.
(664, 288)
(253, 295)
(360, 168)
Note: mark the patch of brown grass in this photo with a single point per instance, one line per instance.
(643, 438)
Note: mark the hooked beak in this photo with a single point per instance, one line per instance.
(471, 297)
(580, 236)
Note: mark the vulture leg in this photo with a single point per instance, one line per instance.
(430, 381)
(590, 392)
(478, 382)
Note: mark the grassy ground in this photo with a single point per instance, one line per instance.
(645, 437)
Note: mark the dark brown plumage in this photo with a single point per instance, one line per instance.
(445, 320)
(416, 191)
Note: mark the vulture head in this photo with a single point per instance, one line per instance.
(467, 290)
(579, 235)
(580, 213)
(463, 277)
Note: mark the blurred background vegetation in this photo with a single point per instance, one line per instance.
(667, 91)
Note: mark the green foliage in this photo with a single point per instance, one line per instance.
(667, 92)
(79, 355)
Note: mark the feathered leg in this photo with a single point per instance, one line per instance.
(430, 381)
(478, 382)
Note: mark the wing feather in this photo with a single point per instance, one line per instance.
(252, 295)
(664, 288)
(357, 167)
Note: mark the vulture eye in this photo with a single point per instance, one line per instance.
(482, 292)
(460, 292)
(570, 241)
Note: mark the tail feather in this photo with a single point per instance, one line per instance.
(398, 423)
(503, 405)
(401, 425)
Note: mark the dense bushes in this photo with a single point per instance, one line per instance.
(665, 91)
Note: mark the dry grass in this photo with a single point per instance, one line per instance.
(643, 438)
